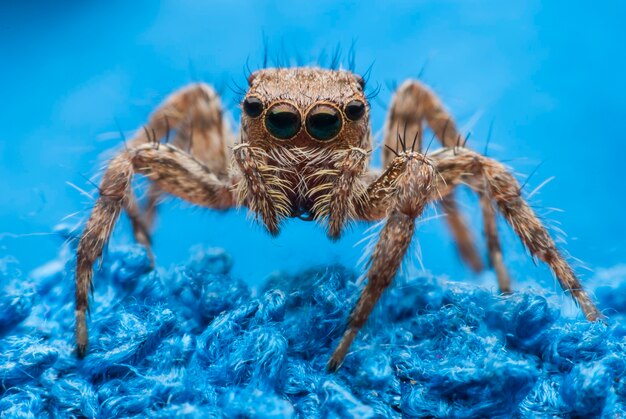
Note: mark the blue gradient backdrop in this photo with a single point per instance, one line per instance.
(550, 76)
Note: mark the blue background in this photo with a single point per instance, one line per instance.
(550, 77)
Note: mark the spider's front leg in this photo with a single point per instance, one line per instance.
(173, 171)
(414, 104)
(404, 190)
(413, 180)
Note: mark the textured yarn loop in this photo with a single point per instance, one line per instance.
(194, 341)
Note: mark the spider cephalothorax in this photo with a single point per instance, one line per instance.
(303, 132)
(303, 151)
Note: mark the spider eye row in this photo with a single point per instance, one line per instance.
(323, 121)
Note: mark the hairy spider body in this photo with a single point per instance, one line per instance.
(303, 151)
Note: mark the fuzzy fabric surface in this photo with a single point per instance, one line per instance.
(192, 341)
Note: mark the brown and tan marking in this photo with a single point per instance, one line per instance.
(304, 152)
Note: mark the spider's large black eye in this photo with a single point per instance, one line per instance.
(282, 121)
(355, 110)
(323, 122)
(252, 106)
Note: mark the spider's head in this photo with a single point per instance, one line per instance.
(305, 107)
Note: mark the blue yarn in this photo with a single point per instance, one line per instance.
(193, 341)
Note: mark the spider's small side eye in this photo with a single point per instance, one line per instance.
(251, 78)
(253, 107)
(361, 81)
(355, 110)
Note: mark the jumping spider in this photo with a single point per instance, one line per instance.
(304, 148)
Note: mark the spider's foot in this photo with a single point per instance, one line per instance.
(81, 351)
(81, 334)
(150, 256)
(333, 364)
(142, 236)
(342, 349)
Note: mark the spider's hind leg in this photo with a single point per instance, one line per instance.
(493, 242)
(193, 118)
(463, 237)
(490, 179)
(412, 105)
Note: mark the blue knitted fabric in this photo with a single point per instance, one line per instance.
(193, 341)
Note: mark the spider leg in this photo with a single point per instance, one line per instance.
(408, 182)
(493, 242)
(153, 199)
(173, 171)
(401, 193)
(193, 116)
(462, 234)
(140, 225)
(412, 104)
(489, 177)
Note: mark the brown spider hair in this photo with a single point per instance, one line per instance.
(307, 120)
(303, 152)
(321, 101)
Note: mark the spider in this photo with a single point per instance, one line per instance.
(304, 147)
